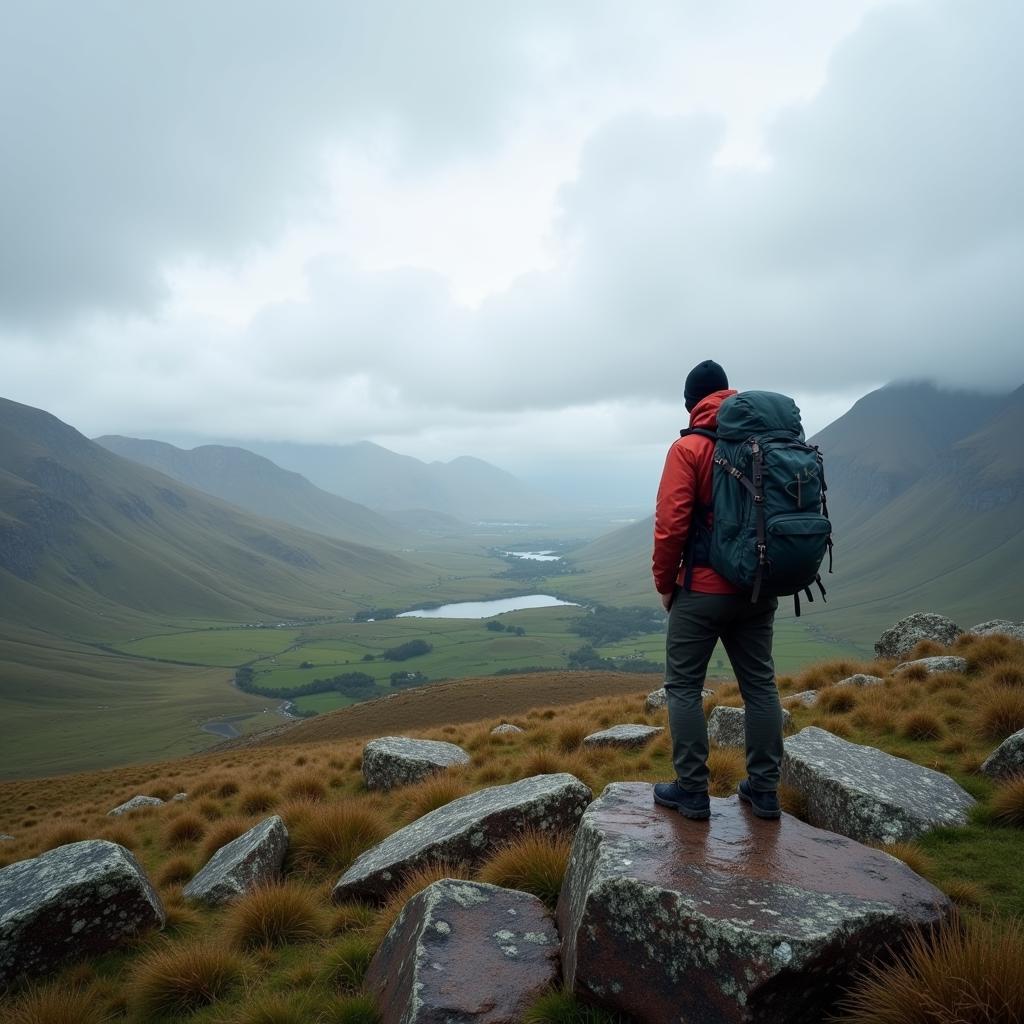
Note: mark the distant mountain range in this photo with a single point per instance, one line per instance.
(926, 495)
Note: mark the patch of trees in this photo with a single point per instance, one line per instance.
(411, 649)
(377, 614)
(586, 657)
(349, 684)
(499, 627)
(604, 625)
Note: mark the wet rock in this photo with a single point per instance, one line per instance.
(899, 640)
(1005, 627)
(75, 901)
(135, 804)
(466, 952)
(1007, 759)
(726, 726)
(241, 865)
(466, 829)
(867, 794)
(506, 729)
(860, 679)
(731, 920)
(940, 663)
(806, 697)
(623, 736)
(398, 760)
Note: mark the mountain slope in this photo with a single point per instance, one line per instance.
(257, 485)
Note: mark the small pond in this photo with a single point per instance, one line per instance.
(485, 609)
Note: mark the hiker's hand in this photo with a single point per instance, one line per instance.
(666, 600)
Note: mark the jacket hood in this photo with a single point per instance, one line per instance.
(705, 412)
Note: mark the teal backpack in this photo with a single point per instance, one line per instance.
(770, 528)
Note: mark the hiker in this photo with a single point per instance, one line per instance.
(705, 607)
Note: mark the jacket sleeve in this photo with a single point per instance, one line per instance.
(672, 514)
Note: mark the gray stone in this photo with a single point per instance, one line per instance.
(658, 699)
(940, 663)
(731, 920)
(860, 679)
(806, 697)
(726, 726)
(1005, 627)
(398, 760)
(867, 794)
(466, 952)
(899, 640)
(6, 837)
(623, 736)
(506, 729)
(466, 829)
(135, 804)
(179, 798)
(1007, 759)
(241, 865)
(76, 901)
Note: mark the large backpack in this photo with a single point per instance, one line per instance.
(770, 529)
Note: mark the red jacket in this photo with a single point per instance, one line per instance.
(687, 477)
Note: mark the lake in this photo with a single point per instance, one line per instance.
(485, 609)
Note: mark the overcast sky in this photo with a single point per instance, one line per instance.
(501, 229)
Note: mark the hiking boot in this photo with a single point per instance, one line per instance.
(763, 802)
(690, 805)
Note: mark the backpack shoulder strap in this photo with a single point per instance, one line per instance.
(709, 434)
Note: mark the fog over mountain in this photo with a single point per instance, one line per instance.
(502, 231)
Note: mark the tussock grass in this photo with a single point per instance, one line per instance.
(913, 856)
(274, 915)
(999, 712)
(332, 835)
(61, 835)
(181, 978)
(416, 881)
(56, 1004)
(360, 1009)
(727, 767)
(835, 724)
(257, 800)
(352, 917)
(345, 963)
(972, 970)
(534, 862)
(307, 786)
(277, 1008)
(793, 801)
(434, 792)
(1008, 803)
(963, 893)
(986, 651)
(562, 1007)
(227, 830)
(175, 871)
(185, 830)
(837, 700)
(921, 725)
(571, 735)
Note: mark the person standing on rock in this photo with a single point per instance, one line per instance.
(704, 608)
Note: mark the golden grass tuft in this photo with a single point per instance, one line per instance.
(307, 786)
(913, 673)
(257, 800)
(727, 767)
(534, 862)
(999, 712)
(837, 700)
(332, 835)
(835, 724)
(226, 831)
(1006, 674)
(346, 963)
(185, 830)
(275, 915)
(964, 894)
(913, 856)
(971, 970)
(178, 979)
(120, 833)
(434, 792)
(793, 801)
(357, 1009)
(61, 835)
(921, 725)
(175, 871)
(1008, 803)
(211, 810)
(56, 1004)
(570, 736)
(990, 650)
(351, 917)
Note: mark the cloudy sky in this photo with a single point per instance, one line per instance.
(508, 230)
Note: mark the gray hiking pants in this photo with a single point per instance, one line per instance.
(695, 623)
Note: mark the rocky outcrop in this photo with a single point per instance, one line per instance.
(398, 760)
(466, 830)
(940, 663)
(867, 794)
(808, 698)
(735, 920)
(1007, 759)
(860, 679)
(135, 804)
(623, 736)
(75, 901)
(899, 640)
(1003, 627)
(726, 726)
(506, 729)
(240, 866)
(466, 952)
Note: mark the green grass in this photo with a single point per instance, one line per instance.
(227, 647)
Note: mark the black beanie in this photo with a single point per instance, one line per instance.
(704, 379)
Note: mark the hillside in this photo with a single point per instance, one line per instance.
(257, 485)
(467, 488)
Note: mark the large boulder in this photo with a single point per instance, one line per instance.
(899, 640)
(137, 803)
(466, 952)
(241, 865)
(867, 794)
(726, 726)
(1007, 759)
(939, 663)
(808, 698)
(75, 901)
(398, 760)
(466, 830)
(658, 699)
(733, 920)
(623, 736)
(1005, 627)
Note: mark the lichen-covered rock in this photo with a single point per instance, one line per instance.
(860, 679)
(467, 952)
(867, 794)
(623, 736)
(135, 804)
(243, 864)
(808, 698)
(75, 901)
(940, 663)
(466, 830)
(6, 838)
(1015, 630)
(506, 729)
(658, 699)
(733, 920)
(900, 639)
(398, 760)
(1007, 759)
(726, 726)
(179, 798)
